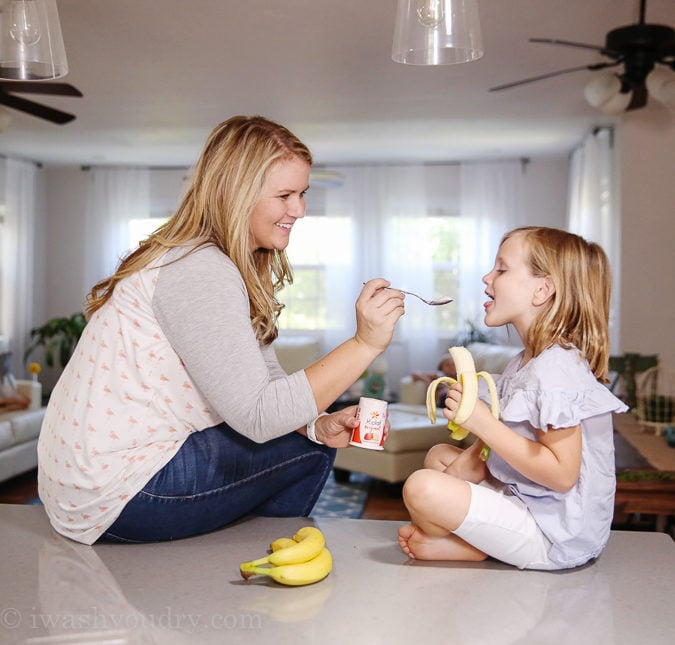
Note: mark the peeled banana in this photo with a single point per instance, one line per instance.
(467, 376)
(298, 561)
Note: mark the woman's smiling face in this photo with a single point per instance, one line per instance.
(281, 203)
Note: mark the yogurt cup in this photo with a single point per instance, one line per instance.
(372, 415)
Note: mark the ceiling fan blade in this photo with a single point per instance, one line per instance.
(566, 43)
(33, 87)
(35, 109)
(552, 74)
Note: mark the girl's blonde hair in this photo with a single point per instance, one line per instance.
(578, 312)
(226, 185)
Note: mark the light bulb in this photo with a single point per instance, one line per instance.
(24, 24)
(602, 88)
(618, 104)
(607, 93)
(661, 85)
(430, 13)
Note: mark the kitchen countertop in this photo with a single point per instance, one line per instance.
(54, 590)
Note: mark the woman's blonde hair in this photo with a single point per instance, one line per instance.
(578, 312)
(226, 185)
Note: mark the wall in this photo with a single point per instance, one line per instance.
(647, 309)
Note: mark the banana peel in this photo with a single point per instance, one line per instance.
(468, 378)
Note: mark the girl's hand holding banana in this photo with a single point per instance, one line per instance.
(463, 396)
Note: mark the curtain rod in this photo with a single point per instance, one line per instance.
(454, 162)
(85, 168)
(37, 164)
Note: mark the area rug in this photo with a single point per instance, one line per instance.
(343, 500)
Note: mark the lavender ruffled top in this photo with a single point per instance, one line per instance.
(558, 389)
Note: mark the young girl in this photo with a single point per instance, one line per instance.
(545, 497)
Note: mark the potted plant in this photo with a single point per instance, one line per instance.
(58, 337)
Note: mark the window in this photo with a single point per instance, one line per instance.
(444, 235)
(141, 228)
(399, 223)
(312, 242)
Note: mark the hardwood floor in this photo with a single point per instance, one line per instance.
(19, 489)
(385, 503)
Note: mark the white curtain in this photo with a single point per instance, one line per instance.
(490, 205)
(18, 257)
(115, 196)
(386, 208)
(593, 209)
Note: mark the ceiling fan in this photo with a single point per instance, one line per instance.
(638, 48)
(8, 98)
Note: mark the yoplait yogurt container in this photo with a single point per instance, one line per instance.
(372, 415)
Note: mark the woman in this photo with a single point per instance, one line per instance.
(173, 416)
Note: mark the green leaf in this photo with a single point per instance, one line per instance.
(58, 336)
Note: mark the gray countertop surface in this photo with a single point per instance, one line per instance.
(54, 590)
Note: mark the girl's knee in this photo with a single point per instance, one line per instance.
(419, 486)
(440, 456)
(428, 492)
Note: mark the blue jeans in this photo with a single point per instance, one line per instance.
(219, 476)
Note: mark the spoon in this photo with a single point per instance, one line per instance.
(439, 301)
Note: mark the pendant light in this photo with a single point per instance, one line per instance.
(31, 44)
(437, 32)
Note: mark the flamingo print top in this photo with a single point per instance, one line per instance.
(170, 353)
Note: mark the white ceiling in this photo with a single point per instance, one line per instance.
(158, 75)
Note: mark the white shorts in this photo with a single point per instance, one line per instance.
(501, 526)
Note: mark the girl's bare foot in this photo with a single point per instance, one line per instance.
(416, 544)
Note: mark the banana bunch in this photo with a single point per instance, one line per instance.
(467, 376)
(302, 560)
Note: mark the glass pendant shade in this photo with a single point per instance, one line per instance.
(437, 32)
(31, 44)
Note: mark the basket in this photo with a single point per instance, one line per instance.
(656, 398)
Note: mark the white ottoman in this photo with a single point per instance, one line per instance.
(409, 439)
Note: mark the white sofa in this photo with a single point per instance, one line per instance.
(19, 432)
(488, 357)
(297, 352)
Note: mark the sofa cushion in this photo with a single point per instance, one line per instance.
(412, 430)
(296, 353)
(492, 358)
(26, 425)
(6, 436)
